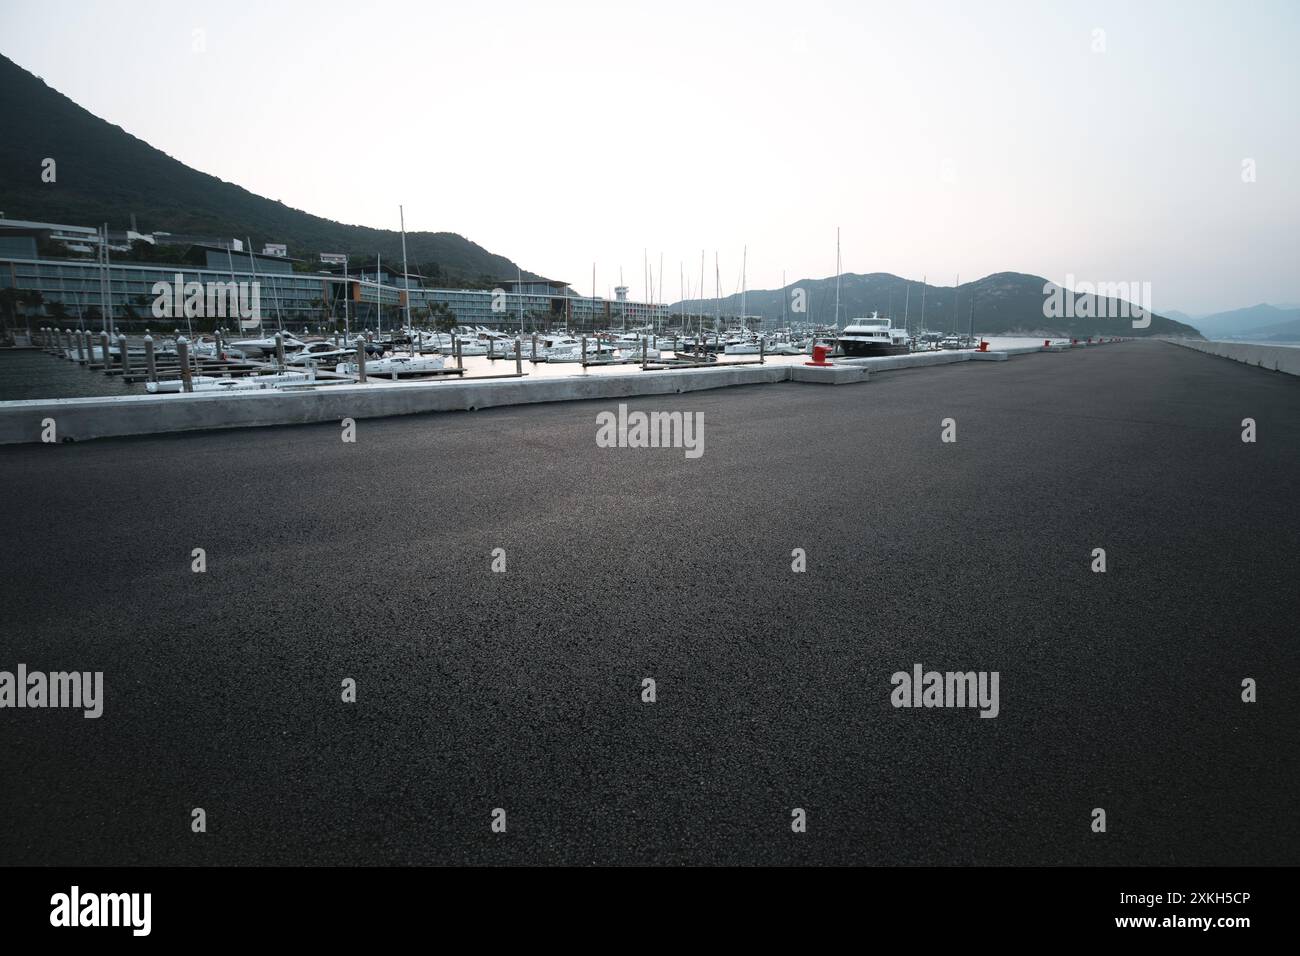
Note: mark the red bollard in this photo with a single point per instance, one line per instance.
(819, 357)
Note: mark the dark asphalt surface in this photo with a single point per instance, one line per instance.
(522, 690)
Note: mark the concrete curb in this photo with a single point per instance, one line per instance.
(1275, 358)
(82, 419)
(830, 375)
(915, 360)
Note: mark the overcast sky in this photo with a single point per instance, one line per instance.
(943, 138)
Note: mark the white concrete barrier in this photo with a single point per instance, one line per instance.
(1276, 358)
(79, 419)
(828, 375)
(912, 360)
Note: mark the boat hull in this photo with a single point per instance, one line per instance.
(858, 349)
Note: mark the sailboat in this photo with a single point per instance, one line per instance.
(399, 365)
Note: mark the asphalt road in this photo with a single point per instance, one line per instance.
(522, 690)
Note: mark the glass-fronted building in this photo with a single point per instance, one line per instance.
(85, 290)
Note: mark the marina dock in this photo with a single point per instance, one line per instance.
(522, 689)
(81, 419)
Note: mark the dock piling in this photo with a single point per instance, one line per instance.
(279, 350)
(103, 351)
(183, 354)
(519, 356)
(455, 347)
(361, 361)
(150, 363)
(644, 353)
(123, 355)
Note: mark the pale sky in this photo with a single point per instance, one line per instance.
(943, 138)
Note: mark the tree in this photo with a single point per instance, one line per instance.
(442, 316)
(59, 313)
(9, 298)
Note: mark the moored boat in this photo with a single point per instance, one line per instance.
(872, 337)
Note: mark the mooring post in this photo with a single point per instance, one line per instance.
(183, 353)
(762, 350)
(361, 360)
(103, 350)
(455, 347)
(81, 343)
(519, 356)
(645, 353)
(279, 350)
(534, 347)
(584, 351)
(219, 346)
(122, 354)
(150, 364)
(89, 345)
(491, 341)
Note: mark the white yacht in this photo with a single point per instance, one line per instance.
(872, 337)
(266, 344)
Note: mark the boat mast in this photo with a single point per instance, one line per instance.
(744, 278)
(717, 294)
(261, 330)
(379, 293)
(681, 286)
(239, 319)
(684, 325)
(923, 302)
(955, 320)
(108, 286)
(406, 274)
(838, 270)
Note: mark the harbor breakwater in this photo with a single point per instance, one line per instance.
(82, 419)
(1278, 358)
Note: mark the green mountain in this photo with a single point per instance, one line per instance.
(104, 174)
(1005, 303)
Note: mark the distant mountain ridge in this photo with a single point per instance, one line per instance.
(1005, 303)
(1262, 322)
(104, 174)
